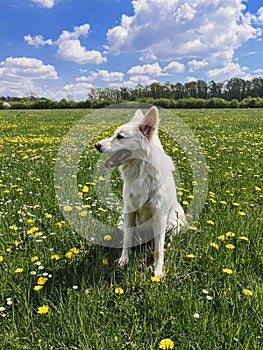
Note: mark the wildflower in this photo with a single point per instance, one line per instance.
(257, 188)
(230, 234)
(55, 257)
(119, 290)
(193, 228)
(67, 208)
(69, 255)
(101, 178)
(101, 209)
(43, 310)
(223, 202)
(196, 315)
(205, 291)
(1, 258)
(228, 271)
(19, 270)
(244, 238)
(31, 221)
(222, 237)
(230, 246)
(42, 280)
(248, 292)
(155, 279)
(34, 259)
(242, 213)
(208, 297)
(16, 243)
(190, 256)
(2, 308)
(107, 237)
(13, 227)
(105, 261)
(236, 204)
(75, 287)
(37, 288)
(85, 189)
(83, 213)
(48, 216)
(9, 301)
(166, 344)
(210, 222)
(214, 245)
(185, 203)
(75, 250)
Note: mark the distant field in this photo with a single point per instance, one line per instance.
(59, 291)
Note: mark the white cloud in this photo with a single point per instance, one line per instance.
(103, 75)
(78, 90)
(19, 76)
(196, 65)
(37, 40)
(260, 15)
(26, 68)
(150, 69)
(69, 46)
(174, 67)
(45, 3)
(228, 71)
(174, 29)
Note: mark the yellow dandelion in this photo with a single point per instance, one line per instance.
(248, 292)
(105, 261)
(257, 188)
(1, 259)
(83, 213)
(210, 222)
(55, 257)
(230, 246)
(34, 259)
(244, 238)
(67, 208)
(101, 178)
(242, 213)
(85, 189)
(101, 209)
(193, 228)
(236, 204)
(69, 255)
(75, 250)
(166, 344)
(19, 270)
(223, 202)
(228, 271)
(214, 245)
(190, 256)
(119, 290)
(230, 234)
(185, 203)
(31, 221)
(42, 280)
(107, 237)
(16, 243)
(13, 227)
(48, 216)
(37, 288)
(42, 310)
(155, 279)
(222, 237)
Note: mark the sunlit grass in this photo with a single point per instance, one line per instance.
(59, 291)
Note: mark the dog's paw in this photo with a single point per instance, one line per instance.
(123, 261)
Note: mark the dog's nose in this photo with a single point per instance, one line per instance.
(98, 146)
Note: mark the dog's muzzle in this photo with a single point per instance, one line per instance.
(98, 147)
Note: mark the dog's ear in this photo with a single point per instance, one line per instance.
(149, 123)
(138, 116)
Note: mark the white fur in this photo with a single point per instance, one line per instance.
(149, 193)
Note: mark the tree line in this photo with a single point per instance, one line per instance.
(233, 93)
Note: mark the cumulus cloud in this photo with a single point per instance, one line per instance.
(174, 67)
(260, 15)
(69, 46)
(19, 75)
(148, 69)
(37, 40)
(103, 75)
(45, 3)
(173, 29)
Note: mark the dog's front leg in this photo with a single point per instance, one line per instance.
(129, 226)
(159, 237)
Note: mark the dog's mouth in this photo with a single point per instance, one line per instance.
(118, 158)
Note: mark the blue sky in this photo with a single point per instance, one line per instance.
(62, 48)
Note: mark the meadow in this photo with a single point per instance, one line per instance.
(61, 291)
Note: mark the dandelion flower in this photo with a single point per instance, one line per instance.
(214, 245)
(67, 208)
(119, 290)
(1, 258)
(55, 257)
(242, 213)
(166, 344)
(105, 261)
(42, 280)
(222, 237)
(107, 237)
(75, 250)
(230, 246)
(210, 222)
(37, 288)
(42, 310)
(228, 271)
(193, 228)
(85, 189)
(48, 216)
(230, 234)
(248, 292)
(19, 270)
(34, 259)
(69, 255)
(190, 256)
(155, 279)
(244, 238)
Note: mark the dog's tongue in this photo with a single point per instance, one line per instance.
(118, 158)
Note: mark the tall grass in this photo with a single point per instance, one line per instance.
(59, 291)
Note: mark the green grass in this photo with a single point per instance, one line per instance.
(196, 304)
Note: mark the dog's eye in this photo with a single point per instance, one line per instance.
(119, 136)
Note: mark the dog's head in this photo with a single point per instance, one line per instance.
(130, 138)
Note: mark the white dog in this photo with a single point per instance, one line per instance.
(149, 193)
